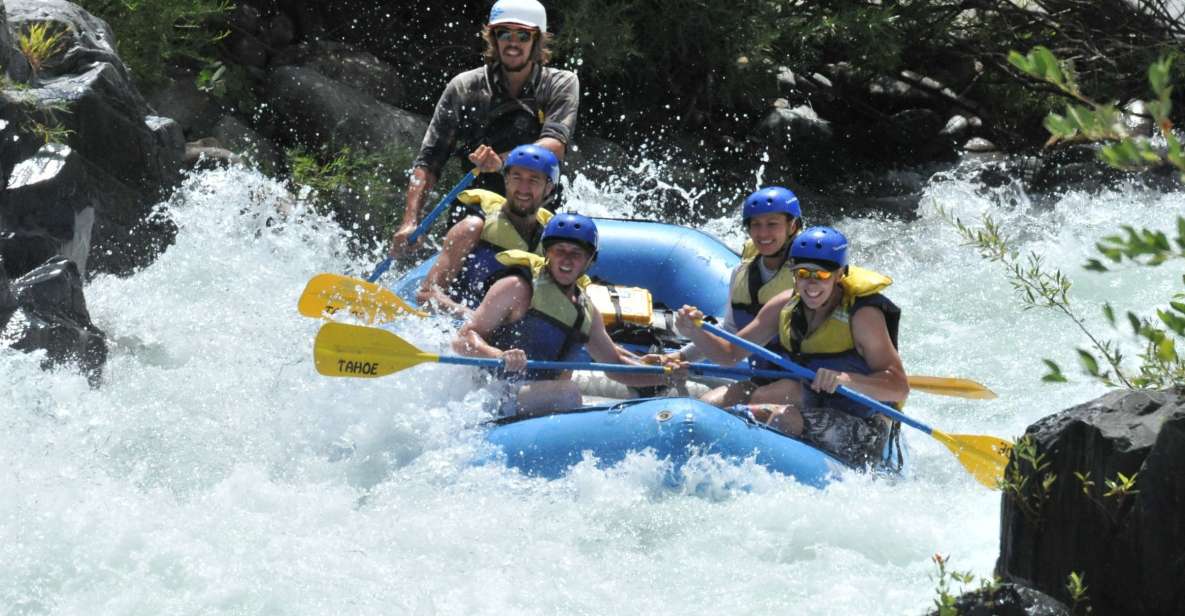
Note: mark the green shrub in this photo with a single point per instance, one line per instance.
(152, 33)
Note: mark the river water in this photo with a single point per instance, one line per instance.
(214, 472)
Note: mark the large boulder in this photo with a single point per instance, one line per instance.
(318, 110)
(87, 160)
(45, 309)
(12, 63)
(1129, 543)
(93, 219)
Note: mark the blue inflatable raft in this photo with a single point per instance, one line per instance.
(679, 266)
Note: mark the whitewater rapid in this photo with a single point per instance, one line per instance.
(214, 472)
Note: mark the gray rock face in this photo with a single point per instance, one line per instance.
(12, 63)
(93, 219)
(318, 109)
(1130, 548)
(1008, 600)
(88, 192)
(50, 313)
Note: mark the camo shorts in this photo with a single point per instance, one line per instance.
(857, 441)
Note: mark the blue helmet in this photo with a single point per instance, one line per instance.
(823, 245)
(571, 228)
(534, 157)
(768, 200)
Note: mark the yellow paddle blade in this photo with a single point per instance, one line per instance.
(983, 456)
(329, 293)
(949, 386)
(364, 352)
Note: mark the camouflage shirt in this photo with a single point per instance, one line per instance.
(476, 108)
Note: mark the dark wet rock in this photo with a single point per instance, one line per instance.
(98, 222)
(280, 31)
(319, 110)
(245, 18)
(1131, 548)
(88, 40)
(1073, 167)
(247, 50)
(1008, 600)
(195, 111)
(22, 253)
(8, 301)
(360, 70)
(50, 314)
(12, 62)
(236, 136)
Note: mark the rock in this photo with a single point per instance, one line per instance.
(1008, 600)
(1074, 166)
(99, 223)
(239, 138)
(180, 99)
(360, 70)
(245, 18)
(794, 127)
(280, 31)
(87, 41)
(12, 62)
(979, 144)
(1130, 547)
(8, 303)
(319, 110)
(247, 50)
(207, 153)
(51, 314)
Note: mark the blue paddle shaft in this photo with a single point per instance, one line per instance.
(385, 264)
(442, 206)
(809, 375)
(537, 364)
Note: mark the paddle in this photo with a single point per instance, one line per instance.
(937, 385)
(328, 293)
(983, 456)
(367, 352)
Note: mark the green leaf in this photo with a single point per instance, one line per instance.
(1055, 372)
(1109, 313)
(1166, 351)
(1178, 306)
(1135, 323)
(1094, 265)
(1089, 363)
(1047, 63)
(1021, 62)
(1059, 126)
(1181, 235)
(1158, 74)
(1174, 322)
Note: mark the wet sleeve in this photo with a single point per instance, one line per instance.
(559, 111)
(441, 137)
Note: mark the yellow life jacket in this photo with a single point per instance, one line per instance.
(745, 296)
(554, 325)
(498, 231)
(835, 335)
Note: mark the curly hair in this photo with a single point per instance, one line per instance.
(540, 50)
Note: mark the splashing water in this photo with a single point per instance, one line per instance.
(216, 472)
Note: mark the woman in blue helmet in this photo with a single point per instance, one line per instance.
(772, 217)
(468, 263)
(835, 321)
(538, 310)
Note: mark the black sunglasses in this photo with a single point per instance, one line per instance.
(506, 35)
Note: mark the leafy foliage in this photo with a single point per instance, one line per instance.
(1027, 480)
(153, 33)
(39, 42)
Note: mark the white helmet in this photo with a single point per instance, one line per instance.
(522, 12)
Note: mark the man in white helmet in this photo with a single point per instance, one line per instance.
(512, 100)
